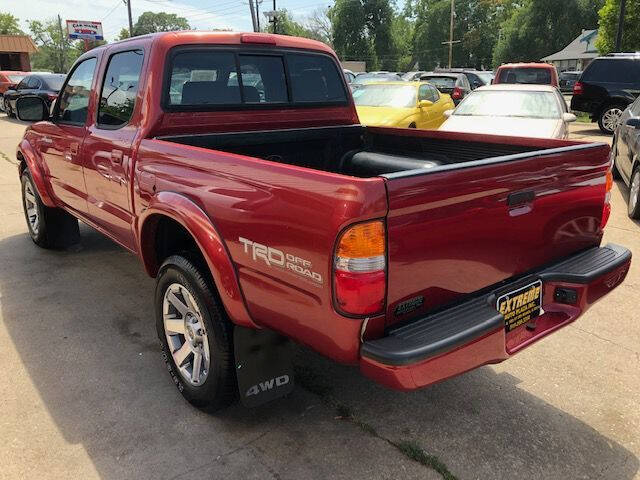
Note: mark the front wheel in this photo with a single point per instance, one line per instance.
(48, 227)
(195, 335)
(634, 194)
(610, 118)
(7, 108)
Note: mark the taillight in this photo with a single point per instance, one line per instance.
(578, 88)
(457, 93)
(52, 96)
(606, 210)
(359, 269)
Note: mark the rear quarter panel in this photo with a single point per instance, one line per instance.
(293, 210)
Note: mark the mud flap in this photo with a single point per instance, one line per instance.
(263, 365)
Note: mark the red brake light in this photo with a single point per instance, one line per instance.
(359, 274)
(263, 38)
(457, 93)
(578, 88)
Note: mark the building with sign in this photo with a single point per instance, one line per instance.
(15, 52)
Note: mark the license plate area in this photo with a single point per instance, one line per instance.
(520, 305)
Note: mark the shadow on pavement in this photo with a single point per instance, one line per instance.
(82, 323)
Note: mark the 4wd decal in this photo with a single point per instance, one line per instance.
(273, 257)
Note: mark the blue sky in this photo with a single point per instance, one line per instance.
(202, 15)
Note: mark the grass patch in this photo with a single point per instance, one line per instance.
(583, 117)
(415, 452)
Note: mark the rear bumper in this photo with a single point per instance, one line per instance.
(472, 333)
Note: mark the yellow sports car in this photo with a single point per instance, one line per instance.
(401, 104)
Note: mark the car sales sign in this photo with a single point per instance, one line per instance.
(84, 30)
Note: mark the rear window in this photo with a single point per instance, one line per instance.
(16, 78)
(55, 83)
(210, 77)
(619, 70)
(539, 76)
(441, 82)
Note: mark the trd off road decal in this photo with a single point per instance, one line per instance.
(279, 259)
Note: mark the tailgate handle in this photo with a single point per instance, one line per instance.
(519, 198)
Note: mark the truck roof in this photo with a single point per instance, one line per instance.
(171, 39)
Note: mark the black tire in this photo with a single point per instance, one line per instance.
(412, 125)
(7, 109)
(604, 117)
(633, 206)
(55, 228)
(219, 388)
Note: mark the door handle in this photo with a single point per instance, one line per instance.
(46, 140)
(116, 156)
(73, 148)
(520, 198)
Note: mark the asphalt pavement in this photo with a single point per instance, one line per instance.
(86, 395)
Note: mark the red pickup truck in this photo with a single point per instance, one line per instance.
(235, 167)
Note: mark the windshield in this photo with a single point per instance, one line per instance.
(441, 82)
(504, 103)
(486, 77)
(540, 76)
(55, 83)
(16, 78)
(398, 96)
(378, 77)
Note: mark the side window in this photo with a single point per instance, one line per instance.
(263, 79)
(23, 84)
(119, 88)
(34, 82)
(203, 78)
(73, 103)
(435, 95)
(315, 78)
(423, 93)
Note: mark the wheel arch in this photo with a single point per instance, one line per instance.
(161, 231)
(27, 158)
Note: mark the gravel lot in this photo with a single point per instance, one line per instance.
(85, 393)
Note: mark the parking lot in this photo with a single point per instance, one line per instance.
(85, 393)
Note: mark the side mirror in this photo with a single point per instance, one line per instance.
(425, 103)
(32, 109)
(568, 117)
(448, 113)
(633, 122)
(476, 84)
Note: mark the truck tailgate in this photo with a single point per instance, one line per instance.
(461, 228)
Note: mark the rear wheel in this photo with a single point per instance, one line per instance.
(48, 227)
(634, 194)
(195, 335)
(610, 118)
(412, 125)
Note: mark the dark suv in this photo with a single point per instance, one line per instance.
(607, 86)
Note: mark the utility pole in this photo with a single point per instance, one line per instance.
(451, 40)
(62, 45)
(253, 16)
(128, 2)
(258, 2)
(620, 25)
(275, 17)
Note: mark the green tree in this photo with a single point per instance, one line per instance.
(9, 25)
(151, 22)
(56, 52)
(608, 27)
(541, 27)
(350, 36)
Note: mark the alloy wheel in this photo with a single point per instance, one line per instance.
(186, 334)
(31, 208)
(611, 118)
